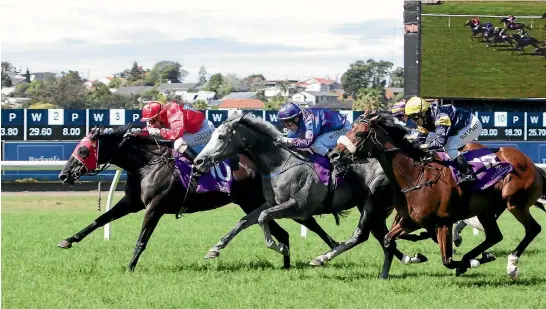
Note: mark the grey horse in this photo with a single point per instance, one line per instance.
(293, 189)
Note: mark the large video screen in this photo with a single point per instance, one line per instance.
(476, 49)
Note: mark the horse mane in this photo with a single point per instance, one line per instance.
(119, 132)
(396, 132)
(255, 122)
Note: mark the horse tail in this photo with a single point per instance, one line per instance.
(343, 214)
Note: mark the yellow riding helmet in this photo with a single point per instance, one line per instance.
(416, 105)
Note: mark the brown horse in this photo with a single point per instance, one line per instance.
(427, 195)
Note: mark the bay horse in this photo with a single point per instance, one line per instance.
(153, 185)
(512, 25)
(436, 202)
(294, 187)
(475, 28)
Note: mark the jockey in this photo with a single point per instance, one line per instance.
(476, 21)
(416, 135)
(317, 129)
(184, 125)
(453, 127)
(511, 18)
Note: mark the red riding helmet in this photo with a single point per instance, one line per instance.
(150, 111)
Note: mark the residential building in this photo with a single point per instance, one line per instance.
(192, 97)
(241, 104)
(178, 89)
(134, 89)
(319, 84)
(392, 91)
(309, 98)
(240, 95)
(42, 75)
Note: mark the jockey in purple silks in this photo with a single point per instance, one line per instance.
(317, 129)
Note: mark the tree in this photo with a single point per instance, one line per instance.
(20, 90)
(167, 70)
(202, 76)
(6, 80)
(397, 77)
(254, 82)
(99, 94)
(215, 83)
(7, 66)
(67, 91)
(200, 104)
(274, 103)
(27, 76)
(370, 99)
(115, 82)
(135, 73)
(369, 74)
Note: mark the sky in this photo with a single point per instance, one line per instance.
(280, 39)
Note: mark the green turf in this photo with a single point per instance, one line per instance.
(452, 65)
(173, 274)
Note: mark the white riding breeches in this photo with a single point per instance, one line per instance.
(466, 135)
(196, 141)
(328, 141)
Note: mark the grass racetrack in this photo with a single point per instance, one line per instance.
(455, 66)
(173, 274)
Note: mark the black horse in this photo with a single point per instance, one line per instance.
(153, 185)
(522, 42)
(476, 29)
(513, 25)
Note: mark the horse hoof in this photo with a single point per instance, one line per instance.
(488, 257)
(383, 277)
(418, 258)
(286, 262)
(317, 262)
(65, 244)
(212, 254)
(460, 271)
(513, 273)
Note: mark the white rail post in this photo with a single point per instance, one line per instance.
(303, 232)
(109, 202)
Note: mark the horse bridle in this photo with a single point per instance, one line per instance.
(373, 135)
(247, 147)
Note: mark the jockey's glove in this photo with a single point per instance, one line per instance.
(281, 140)
(424, 146)
(154, 131)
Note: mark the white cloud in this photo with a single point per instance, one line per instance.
(32, 27)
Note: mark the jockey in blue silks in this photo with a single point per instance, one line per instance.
(317, 129)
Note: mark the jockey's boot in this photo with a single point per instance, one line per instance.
(466, 173)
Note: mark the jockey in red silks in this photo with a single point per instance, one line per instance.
(180, 123)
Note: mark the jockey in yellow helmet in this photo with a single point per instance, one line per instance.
(453, 128)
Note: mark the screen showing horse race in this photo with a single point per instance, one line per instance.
(483, 49)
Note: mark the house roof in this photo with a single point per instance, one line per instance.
(320, 80)
(321, 93)
(134, 89)
(345, 105)
(242, 104)
(240, 95)
(176, 86)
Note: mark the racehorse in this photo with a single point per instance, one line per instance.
(476, 29)
(523, 42)
(500, 39)
(296, 186)
(436, 202)
(513, 26)
(153, 185)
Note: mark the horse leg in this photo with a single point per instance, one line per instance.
(459, 226)
(151, 218)
(313, 226)
(532, 229)
(360, 235)
(287, 209)
(493, 236)
(379, 231)
(276, 230)
(121, 209)
(245, 222)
